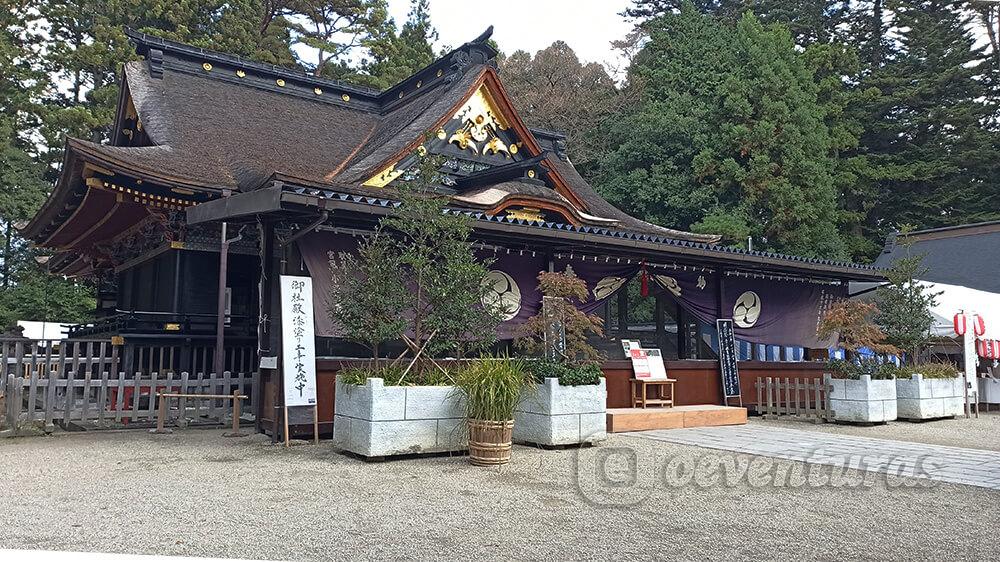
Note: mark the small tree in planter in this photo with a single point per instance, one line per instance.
(924, 390)
(448, 308)
(569, 404)
(904, 307)
(862, 390)
(850, 321)
(417, 279)
(564, 291)
(422, 263)
(368, 294)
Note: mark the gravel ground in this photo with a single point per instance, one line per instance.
(195, 493)
(971, 433)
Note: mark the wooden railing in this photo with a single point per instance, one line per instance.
(103, 399)
(809, 399)
(21, 357)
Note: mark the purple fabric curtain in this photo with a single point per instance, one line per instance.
(604, 277)
(321, 253)
(768, 311)
(778, 312)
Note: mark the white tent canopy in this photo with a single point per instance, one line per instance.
(954, 298)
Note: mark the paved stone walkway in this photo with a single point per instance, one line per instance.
(972, 467)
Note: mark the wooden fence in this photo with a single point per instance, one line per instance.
(22, 356)
(809, 399)
(102, 399)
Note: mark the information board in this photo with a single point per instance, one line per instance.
(298, 343)
(728, 358)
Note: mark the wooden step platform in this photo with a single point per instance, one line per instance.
(705, 415)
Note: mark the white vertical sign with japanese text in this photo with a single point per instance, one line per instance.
(298, 344)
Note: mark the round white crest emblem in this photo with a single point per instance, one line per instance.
(746, 311)
(502, 292)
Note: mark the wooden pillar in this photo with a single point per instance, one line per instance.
(661, 332)
(266, 302)
(623, 309)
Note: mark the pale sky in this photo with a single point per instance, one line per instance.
(588, 26)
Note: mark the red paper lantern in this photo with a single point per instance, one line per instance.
(959, 323)
(978, 325)
(988, 349)
(962, 320)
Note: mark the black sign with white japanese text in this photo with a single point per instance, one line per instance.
(728, 358)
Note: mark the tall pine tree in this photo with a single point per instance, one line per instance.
(396, 56)
(729, 138)
(932, 137)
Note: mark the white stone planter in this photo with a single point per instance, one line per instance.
(375, 420)
(551, 414)
(863, 400)
(918, 398)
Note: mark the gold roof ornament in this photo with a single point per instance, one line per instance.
(530, 214)
(345, 97)
(241, 74)
(207, 66)
(318, 91)
(279, 82)
(383, 178)
(481, 121)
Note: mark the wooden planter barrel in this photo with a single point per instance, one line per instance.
(489, 442)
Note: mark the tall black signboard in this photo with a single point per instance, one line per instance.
(727, 360)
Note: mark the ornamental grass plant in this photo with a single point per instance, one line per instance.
(493, 387)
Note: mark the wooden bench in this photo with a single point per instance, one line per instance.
(641, 398)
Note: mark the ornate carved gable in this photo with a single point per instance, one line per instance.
(475, 137)
(481, 142)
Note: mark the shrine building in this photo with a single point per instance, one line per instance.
(297, 167)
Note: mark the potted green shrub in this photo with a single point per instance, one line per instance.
(568, 403)
(924, 390)
(491, 388)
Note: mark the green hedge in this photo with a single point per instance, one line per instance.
(569, 374)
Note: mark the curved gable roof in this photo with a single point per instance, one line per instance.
(219, 123)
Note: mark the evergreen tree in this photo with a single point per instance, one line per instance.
(27, 293)
(729, 137)
(396, 56)
(932, 136)
(554, 90)
(336, 32)
(810, 21)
